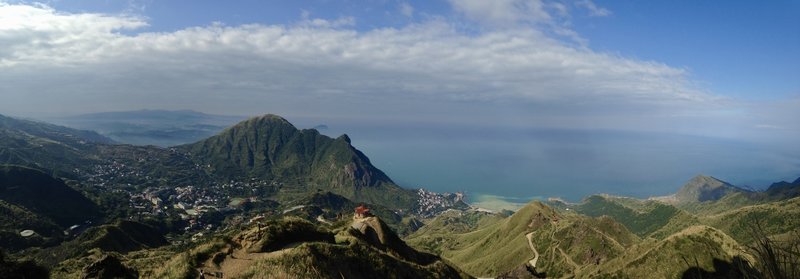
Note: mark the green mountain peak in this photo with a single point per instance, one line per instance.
(704, 188)
(270, 148)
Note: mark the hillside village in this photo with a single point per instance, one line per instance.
(195, 203)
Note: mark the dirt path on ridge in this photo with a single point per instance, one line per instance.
(535, 259)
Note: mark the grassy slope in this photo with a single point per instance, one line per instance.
(44, 195)
(726, 203)
(121, 237)
(322, 260)
(674, 240)
(14, 219)
(439, 233)
(350, 257)
(644, 218)
(671, 257)
(776, 218)
(47, 146)
(733, 214)
(30, 199)
(499, 245)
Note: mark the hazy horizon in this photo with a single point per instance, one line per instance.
(512, 163)
(510, 98)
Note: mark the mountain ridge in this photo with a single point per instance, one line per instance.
(699, 189)
(151, 126)
(270, 147)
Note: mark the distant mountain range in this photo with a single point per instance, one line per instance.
(151, 127)
(46, 146)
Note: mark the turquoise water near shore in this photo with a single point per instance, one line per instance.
(497, 203)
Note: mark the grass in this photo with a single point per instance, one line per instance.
(279, 233)
(323, 260)
(775, 218)
(644, 218)
(498, 248)
(698, 246)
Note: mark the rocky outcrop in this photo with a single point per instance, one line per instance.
(109, 267)
(521, 272)
(377, 234)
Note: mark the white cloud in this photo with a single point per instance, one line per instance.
(406, 9)
(137, 6)
(551, 17)
(323, 23)
(28, 32)
(503, 12)
(593, 9)
(427, 59)
(63, 62)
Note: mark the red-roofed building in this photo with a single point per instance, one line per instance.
(362, 212)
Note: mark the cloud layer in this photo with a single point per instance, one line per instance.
(87, 62)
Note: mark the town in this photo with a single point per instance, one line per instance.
(207, 205)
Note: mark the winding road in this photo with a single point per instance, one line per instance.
(535, 259)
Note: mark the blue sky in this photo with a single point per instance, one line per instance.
(719, 42)
(740, 48)
(718, 78)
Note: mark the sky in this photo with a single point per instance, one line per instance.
(509, 97)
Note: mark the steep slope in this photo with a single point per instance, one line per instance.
(559, 244)
(440, 232)
(10, 268)
(119, 237)
(31, 143)
(32, 200)
(704, 188)
(44, 195)
(270, 148)
(729, 197)
(775, 218)
(15, 219)
(694, 248)
(783, 189)
(644, 218)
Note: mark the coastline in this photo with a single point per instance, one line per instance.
(497, 203)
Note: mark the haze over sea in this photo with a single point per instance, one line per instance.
(520, 164)
(520, 98)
